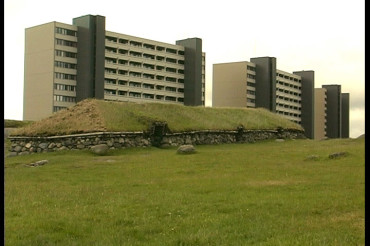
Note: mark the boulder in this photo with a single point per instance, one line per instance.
(337, 155)
(38, 163)
(100, 149)
(186, 149)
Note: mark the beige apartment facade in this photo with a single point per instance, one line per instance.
(68, 63)
(320, 113)
(50, 69)
(288, 95)
(234, 84)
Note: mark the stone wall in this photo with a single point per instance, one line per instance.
(117, 140)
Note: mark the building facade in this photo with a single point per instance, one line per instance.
(320, 113)
(234, 84)
(259, 84)
(66, 63)
(331, 112)
(345, 115)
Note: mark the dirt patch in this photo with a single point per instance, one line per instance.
(272, 183)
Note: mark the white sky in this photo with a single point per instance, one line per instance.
(327, 36)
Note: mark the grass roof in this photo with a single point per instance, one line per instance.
(93, 115)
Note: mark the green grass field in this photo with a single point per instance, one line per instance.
(266, 193)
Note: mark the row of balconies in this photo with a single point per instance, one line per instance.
(145, 87)
(130, 50)
(132, 95)
(287, 77)
(137, 44)
(112, 63)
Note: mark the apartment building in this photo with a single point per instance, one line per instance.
(66, 63)
(320, 113)
(234, 84)
(345, 115)
(331, 112)
(259, 83)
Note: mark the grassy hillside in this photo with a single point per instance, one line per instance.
(266, 193)
(98, 115)
(16, 123)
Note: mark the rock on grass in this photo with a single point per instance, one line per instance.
(186, 149)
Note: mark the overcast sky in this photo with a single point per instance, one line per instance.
(327, 36)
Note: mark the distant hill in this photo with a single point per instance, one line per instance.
(92, 115)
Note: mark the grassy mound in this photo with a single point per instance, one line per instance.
(94, 115)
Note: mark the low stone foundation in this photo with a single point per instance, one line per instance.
(116, 140)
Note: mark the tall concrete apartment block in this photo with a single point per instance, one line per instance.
(308, 101)
(320, 113)
(259, 84)
(345, 115)
(66, 63)
(333, 111)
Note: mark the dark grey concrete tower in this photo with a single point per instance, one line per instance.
(307, 102)
(90, 56)
(193, 71)
(345, 115)
(265, 82)
(333, 111)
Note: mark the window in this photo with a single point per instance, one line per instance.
(171, 60)
(136, 54)
(160, 48)
(148, 96)
(135, 84)
(59, 98)
(149, 56)
(111, 39)
(110, 60)
(251, 84)
(173, 89)
(64, 31)
(168, 98)
(110, 70)
(110, 50)
(149, 46)
(172, 51)
(57, 108)
(251, 68)
(122, 93)
(135, 74)
(170, 69)
(250, 92)
(134, 94)
(63, 53)
(170, 79)
(136, 44)
(66, 43)
(65, 76)
(65, 65)
(148, 86)
(110, 81)
(109, 92)
(148, 76)
(62, 87)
